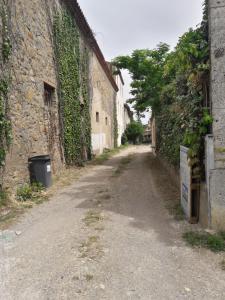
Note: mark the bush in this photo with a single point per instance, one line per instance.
(124, 139)
(134, 132)
(24, 193)
(28, 192)
(214, 242)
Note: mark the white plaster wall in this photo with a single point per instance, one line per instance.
(98, 142)
(103, 96)
(120, 101)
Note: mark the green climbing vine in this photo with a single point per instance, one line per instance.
(5, 126)
(175, 86)
(72, 60)
(183, 117)
(86, 116)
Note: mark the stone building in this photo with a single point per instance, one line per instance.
(120, 101)
(103, 105)
(34, 97)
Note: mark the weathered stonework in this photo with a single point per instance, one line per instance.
(120, 101)
(36, 124)
(34, 131)
(103, 98)
(216, 183)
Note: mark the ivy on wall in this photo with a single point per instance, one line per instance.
(86, 116)
(174, 84)
(184, 114)
(73, 63)
(5, 126)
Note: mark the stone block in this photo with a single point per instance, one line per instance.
(217, 198)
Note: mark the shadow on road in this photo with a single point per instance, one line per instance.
(138, 193)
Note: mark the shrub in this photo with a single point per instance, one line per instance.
(214, 242)
(24, 193)
(124, 139)
(29, 192)
(134, 132)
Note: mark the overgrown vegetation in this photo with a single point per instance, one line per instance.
(213, 242)
(5, 127)
(134, 132)
(174, 85)
(73, 63)
(30, 192)
(107, 153)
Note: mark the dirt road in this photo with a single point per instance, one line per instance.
(108, 236)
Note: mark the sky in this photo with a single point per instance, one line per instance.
(121, 26)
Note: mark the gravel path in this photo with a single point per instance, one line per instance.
(108, 236)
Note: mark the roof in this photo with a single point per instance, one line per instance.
(121, 77)
(130, 113)
(115, 72)
(89, 35)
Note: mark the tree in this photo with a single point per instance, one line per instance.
(134, 131)
(146, 68)
(175, 85)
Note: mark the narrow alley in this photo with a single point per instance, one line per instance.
(108, 236)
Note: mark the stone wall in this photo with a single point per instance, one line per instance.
(35, 121)
(103, 98)
(120, 101)
(35, 125)
(217, 173)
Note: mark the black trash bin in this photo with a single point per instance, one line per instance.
(40, 170)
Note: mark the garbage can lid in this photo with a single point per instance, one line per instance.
(39, 158)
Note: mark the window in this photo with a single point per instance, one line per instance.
(49, 94)
(106, 121)
(97, 117)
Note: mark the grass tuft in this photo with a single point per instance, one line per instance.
(107, 154)
(92, 218)
(89, 277)
(32, 192)
(91, 248)
(122, 165)
(213, 242)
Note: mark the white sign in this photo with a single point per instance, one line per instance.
(48, 168)
(185, 177)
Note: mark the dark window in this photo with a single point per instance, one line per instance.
(49, 94)
(106, 121)
(97, 117)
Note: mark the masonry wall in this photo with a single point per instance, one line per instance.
(127, 118)
(35, 123)
(103, 100)
(120, 110)
(35, 126)
(216, 185)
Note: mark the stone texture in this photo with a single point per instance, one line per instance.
(103, 98)
(216, 182)
(35, 125)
